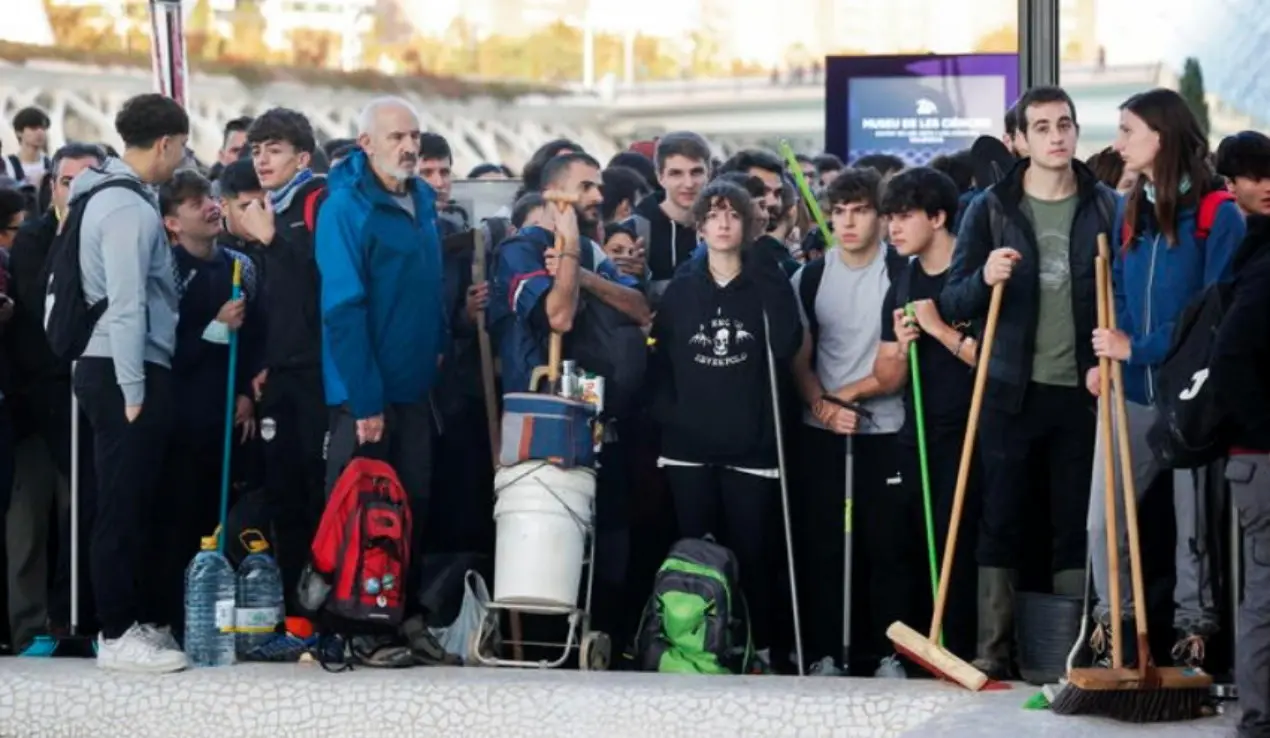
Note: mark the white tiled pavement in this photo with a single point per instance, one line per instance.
(70, 699)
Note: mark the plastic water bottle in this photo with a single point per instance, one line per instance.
(209, 608)
(259, 598)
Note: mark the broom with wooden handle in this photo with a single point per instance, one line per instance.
(926, 650)
(1146, 693)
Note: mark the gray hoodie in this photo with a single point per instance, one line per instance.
(125, 257)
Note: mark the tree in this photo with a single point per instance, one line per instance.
(1191, 88)
(1002, 40)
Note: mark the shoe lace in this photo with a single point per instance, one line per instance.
(1100, 639)
(1189, 650)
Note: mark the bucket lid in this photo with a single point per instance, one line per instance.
(210, 543)
(257, 546)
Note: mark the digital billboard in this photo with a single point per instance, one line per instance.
(915, 107)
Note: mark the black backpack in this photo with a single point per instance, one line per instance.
(1190, 430)
(814, 273)
(604, 341)
(68, 318)
(696, 621)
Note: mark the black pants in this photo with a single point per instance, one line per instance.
(886, 525)
(1055, 431)
(188, 509)
(293, 425)
(406, 445)
(610, 603)
(943, 453)
(734, 507)
(461, 509)
(129, 460)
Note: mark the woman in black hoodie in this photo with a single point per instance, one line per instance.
(713, 388)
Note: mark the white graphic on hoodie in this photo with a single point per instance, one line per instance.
(721, 341)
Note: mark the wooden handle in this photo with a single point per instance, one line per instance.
(967, 456)
(1130, 491)
(1109, 467)
(486, 350)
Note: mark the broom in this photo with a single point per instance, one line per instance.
(1147, 693)
(926, 651)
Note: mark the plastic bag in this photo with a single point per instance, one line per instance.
(455, 636)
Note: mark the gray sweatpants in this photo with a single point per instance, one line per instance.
(1193, 594)
(1249, 478)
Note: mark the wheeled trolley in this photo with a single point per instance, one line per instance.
(544, 554)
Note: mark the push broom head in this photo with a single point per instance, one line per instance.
(935, 659)
(1165, 695)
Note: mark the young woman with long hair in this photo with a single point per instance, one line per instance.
(1164, 258)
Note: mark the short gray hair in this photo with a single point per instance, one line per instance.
(366, 119)
(77, 150)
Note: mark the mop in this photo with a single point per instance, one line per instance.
(1146, 693)
(780, 460)
(915, 378)
(927, 651)
(72, 644)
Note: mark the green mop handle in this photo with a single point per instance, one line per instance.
(916, 379)
(813, 205)
(230, 397)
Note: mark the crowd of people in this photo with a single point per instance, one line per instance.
(358, 324)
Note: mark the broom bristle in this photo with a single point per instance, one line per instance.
(1160, 695)
(1133, 706)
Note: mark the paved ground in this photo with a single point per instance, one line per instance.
(68, 699)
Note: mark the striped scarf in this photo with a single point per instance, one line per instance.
(283, 193)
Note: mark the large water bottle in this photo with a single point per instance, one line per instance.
(259, 598)
(209, 608)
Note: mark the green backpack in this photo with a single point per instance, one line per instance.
(696, 621)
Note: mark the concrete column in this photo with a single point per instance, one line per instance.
(1038, 43)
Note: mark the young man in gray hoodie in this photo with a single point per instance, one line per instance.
(123, 380)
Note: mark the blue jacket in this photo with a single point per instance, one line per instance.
(383, 302)
(1154, 282)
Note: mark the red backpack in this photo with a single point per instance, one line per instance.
(362, 546)
(1208, 207)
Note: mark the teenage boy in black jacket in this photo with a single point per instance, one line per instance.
(1037, 230)
(712, 389)
(1240, 373)
(920, 204)
(289, 392)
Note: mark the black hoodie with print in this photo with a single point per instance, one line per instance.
(709, 367)
(667, 244)
(1240, 368)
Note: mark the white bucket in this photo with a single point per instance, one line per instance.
(542, 516)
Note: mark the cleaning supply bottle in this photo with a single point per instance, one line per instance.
(259, 598)
(209, 607)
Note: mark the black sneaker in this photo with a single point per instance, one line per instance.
(1100, 644)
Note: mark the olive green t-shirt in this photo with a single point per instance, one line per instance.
(1054, 356)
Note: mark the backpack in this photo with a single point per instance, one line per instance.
(1204, 219)
(814, 273)
(606, 342)
(312, 203)
(1190, 430)
(362, 550)
(68, 318)
(696, 621)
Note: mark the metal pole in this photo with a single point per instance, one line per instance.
(167, 50)
(1038, 43)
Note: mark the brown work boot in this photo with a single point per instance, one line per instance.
(996, 622)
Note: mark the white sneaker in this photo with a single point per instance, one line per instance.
(137, 651)
(825, 667)
(161, 636)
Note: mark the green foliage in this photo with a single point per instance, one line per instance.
(1191, 88)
